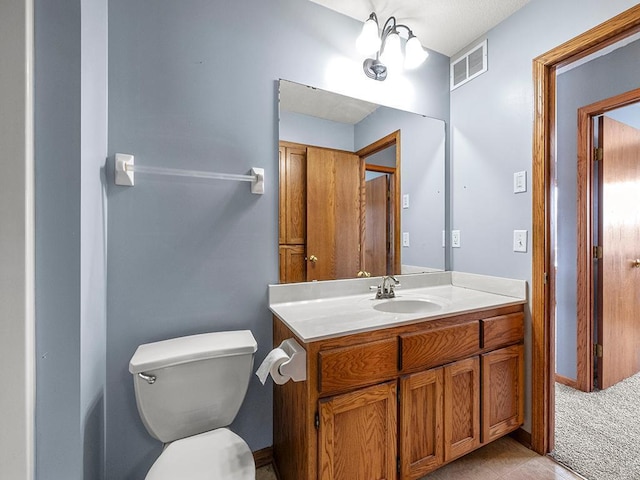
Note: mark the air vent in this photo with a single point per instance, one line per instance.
(471, 64)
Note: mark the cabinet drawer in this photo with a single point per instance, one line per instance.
(502, 330)
(439, 346)
(353, 366)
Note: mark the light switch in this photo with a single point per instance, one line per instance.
(455, 238)
(405, 200)
(519, 240)
(520, 182)
(405, 239)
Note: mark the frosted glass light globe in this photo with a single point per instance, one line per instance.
(368, 42)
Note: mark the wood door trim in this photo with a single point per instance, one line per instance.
(544, 71)
(585, 274)
(381, 144)
(391, 139)
(380, 169)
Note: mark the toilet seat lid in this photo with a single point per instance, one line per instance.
(218, 454)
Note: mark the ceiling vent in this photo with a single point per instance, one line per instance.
(471, 64)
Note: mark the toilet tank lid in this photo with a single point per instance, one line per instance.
(175, 351)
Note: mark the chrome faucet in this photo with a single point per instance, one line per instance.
(386, 287)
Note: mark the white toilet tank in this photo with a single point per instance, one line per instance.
(194, 384)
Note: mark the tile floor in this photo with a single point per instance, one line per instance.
(504, 459)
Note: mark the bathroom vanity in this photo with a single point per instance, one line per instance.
(397, 388)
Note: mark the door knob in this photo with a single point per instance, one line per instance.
(635, 263)
(313, 258)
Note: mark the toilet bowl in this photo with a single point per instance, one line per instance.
(188, 390)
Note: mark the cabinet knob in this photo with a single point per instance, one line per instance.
(635, 263)
(313, 258)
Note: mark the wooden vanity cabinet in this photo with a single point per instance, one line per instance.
(502, 391)
(440, 408)
(421, 422)
(357, 434)
(398, 403)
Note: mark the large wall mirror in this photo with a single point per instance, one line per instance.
(361, 188)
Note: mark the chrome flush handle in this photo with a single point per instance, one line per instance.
(150, 379)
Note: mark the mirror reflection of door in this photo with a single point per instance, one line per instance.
(334, 212)
(380, 200)
(376, 241)
(333, 223)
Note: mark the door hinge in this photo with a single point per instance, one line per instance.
(398, 464)
(597, 251)
(597, 154)
(597, 350)
(317, 421)
(546, 278)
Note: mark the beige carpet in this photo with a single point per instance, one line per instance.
(266, 473)
(598, 433)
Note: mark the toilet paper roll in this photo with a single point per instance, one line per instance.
(271, 365)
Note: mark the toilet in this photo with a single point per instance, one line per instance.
(188, 390)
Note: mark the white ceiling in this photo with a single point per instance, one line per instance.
(315, 102)
(446, 26)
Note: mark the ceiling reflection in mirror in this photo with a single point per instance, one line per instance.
(343, 126)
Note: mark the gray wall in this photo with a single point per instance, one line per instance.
(193, 84)
(93, 230)
(603, 77)
(491, 135)
(70, 151)
(629, 115)
(299, 128)
(58, 260)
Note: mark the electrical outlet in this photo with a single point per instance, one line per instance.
(405, 200)
(519, 240)
(455, 238)
(405, 239)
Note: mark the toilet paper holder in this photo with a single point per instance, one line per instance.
(296, 366)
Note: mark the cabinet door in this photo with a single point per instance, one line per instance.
(421, 423)
(357, 434)
(292, 195)
(293, 264)
(502, 391)
(461, 407)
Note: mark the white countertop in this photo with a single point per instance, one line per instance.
(320, 310)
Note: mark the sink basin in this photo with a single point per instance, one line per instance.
(407, 305)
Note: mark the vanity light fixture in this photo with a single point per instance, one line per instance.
(387, 47)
